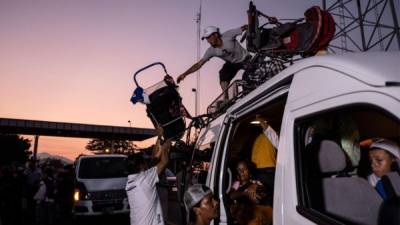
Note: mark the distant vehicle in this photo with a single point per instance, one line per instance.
(100, 185)
(321, 108)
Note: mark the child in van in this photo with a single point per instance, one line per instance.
(383, 155)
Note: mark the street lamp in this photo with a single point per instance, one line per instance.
(129, 141)
(196, 110)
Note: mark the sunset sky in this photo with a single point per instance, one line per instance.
(73, 60)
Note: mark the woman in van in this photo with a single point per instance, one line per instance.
(250, 205)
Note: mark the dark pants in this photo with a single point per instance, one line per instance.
(229, 70)
(267, 177)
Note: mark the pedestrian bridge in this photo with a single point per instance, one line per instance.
(61, 129)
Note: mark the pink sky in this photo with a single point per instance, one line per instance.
(73, 61)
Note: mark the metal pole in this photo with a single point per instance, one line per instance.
(130, 147)
(197, 93)
(35, 147)
(395, 22)
(361, 21)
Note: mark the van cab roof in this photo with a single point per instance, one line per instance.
(103, 155)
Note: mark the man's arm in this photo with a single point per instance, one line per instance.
(164, 159)
(157, 147)
(192, 69)
(268, 131)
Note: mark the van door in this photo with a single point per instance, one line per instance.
(238, 132)
(327, 105)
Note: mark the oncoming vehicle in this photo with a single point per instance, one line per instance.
(321, 108)
(100, 185)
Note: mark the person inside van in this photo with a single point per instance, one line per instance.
(141, 188)
(251, 200)
(263, 154)
(383, 155)
(201, 207)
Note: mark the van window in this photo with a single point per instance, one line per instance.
(333, 166)
(251, 159)
(101, 167)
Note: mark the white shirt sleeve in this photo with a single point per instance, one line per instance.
(152, 176)
(272, 136)
(233, 33)
(208, 54)
(149, 176)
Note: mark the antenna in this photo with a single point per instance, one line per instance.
(197, 92)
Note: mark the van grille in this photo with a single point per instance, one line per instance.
(108, 206)
(108, 195)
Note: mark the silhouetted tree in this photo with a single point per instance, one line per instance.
(14, 148)
(104, 146)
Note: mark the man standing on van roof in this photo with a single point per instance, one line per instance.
(142, 192)
(226, 47)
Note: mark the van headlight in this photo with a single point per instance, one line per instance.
(77, 195)
(81, 195)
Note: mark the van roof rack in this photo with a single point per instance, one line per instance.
(226, 98)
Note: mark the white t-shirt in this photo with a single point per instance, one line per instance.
(143, 199)
(272, 136)
(231, 51)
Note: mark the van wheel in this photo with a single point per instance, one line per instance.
(78, 220)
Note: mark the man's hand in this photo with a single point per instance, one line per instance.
(272, 20)
(180, 78)
(159, 131)
(262, 121)
(251, 193)
(192, 69)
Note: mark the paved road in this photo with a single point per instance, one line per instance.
(104, 220)
(173, 218)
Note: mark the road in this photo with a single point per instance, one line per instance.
(173, 218)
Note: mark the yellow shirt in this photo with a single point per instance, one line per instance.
(263, 153)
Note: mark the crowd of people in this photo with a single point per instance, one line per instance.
(34, 194)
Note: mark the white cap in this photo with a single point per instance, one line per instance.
(208, 31)
(387, 145)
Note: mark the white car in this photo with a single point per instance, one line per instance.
(335, 101)
(100, 185)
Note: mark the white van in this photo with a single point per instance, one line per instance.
(100, 185)
(339, 99)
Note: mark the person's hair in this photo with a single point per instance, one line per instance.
(395, 166)
(250, 165)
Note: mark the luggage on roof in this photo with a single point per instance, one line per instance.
(163, 104)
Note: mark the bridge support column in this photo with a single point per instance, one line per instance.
(35, 147)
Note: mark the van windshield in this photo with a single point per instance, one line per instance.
(102, 167)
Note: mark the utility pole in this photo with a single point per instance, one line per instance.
(35, 148)
(197, 93)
